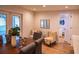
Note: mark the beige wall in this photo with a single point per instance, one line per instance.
(54, 17)
(54, 20)
(31, 20)
(28, 18)
(75, 22)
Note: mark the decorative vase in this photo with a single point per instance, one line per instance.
(13, 41)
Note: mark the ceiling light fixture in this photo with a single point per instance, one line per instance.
(34, 9)
(66, 6)
(44, 5)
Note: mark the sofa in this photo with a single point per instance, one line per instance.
(32, 48)
(29, 49)
(38, 43)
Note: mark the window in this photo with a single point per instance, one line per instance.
(3, 27)
(15, 21)
(45, 23)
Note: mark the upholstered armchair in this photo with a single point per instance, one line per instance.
(51, 38)
(37, 35)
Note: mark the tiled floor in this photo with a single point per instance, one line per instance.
(58, 48)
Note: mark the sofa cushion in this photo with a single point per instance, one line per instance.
(29, 49)
(38, 43)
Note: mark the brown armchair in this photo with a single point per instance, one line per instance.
(37, 35)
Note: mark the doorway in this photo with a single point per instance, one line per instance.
(3, 27)
(65, 25)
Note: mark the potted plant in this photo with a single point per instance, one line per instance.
(13, 32)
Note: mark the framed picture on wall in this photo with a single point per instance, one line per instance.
(62, 22)
(45, 23)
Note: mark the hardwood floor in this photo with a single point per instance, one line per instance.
(58, 48)
(8, 49)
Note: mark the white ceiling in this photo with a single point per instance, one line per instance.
(50, 7)
(41, 8)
